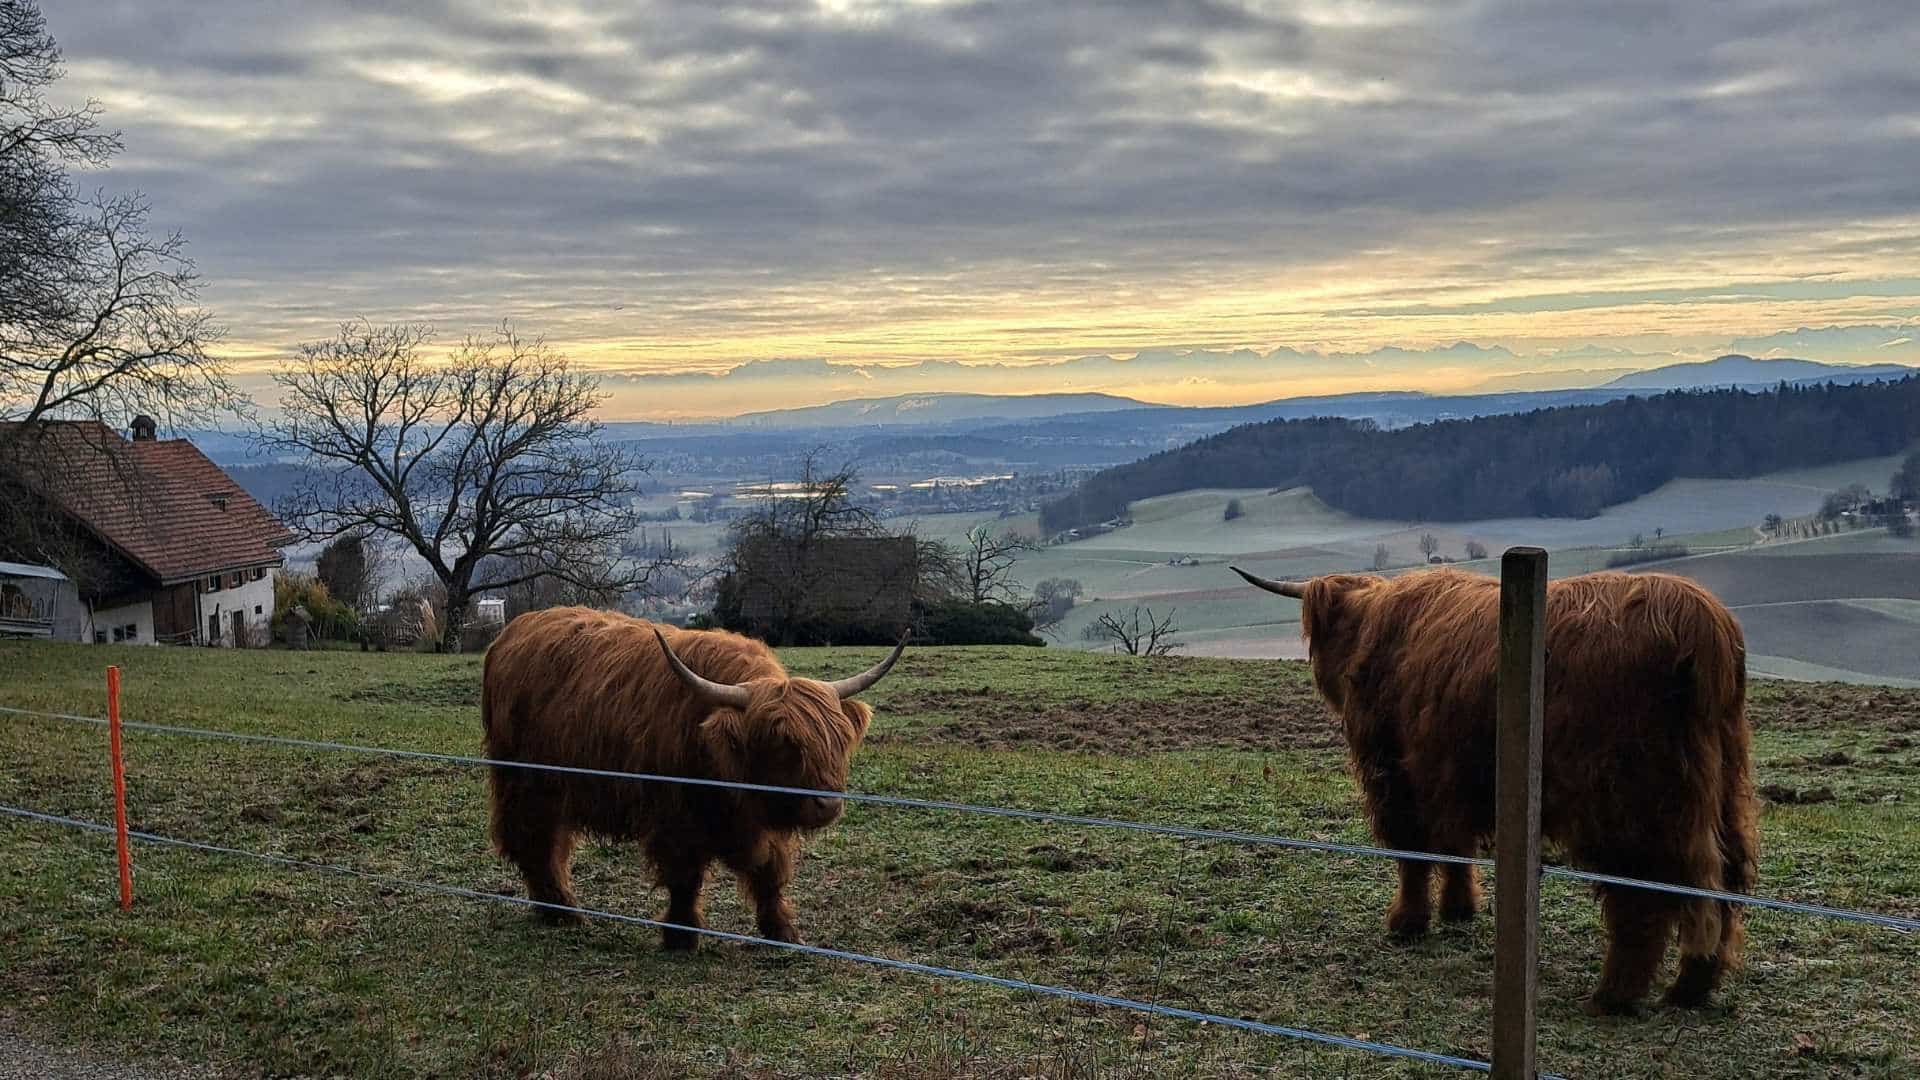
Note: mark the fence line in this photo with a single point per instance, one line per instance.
(1898, 923)
(1892, 922)
(1179, 831)
(1022, 985)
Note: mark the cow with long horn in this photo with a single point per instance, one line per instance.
(1646, 772)
(597, 690)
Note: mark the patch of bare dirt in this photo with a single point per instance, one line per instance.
(1789, 706)
(1267, 712)
(1282, 716)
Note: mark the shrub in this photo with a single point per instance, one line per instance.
(1646, 554)
(956, 622)
(327, 618)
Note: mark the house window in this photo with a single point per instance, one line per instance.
(213, 583)
(239, 579)
(256, 609)
(99, 637)
(130, 632)
(258, 573)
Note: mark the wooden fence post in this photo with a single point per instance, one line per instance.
(1516, 897)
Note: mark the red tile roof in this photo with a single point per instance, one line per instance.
(162, 504)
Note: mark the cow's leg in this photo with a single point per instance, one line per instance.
(1459, 892)
(1709, 936)
(1459, 882)
(685, 875)
(1412, 907)
(1638, 926)
(763, 883)
(1396, 822)
(544, 853)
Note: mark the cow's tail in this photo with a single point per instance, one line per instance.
(1726, 849)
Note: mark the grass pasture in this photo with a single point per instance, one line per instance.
(268, 970)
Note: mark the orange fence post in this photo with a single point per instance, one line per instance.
(119, 789)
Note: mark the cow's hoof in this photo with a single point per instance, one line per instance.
(1685, 994)
(1693, 987)
(1459, 912)
(1608, 1005)
(557, 917)
(1407, 925)
(679, 941)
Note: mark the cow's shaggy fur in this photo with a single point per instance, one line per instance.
(592, 689)
(1646, 767)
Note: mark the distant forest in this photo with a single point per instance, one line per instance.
(1562, 462)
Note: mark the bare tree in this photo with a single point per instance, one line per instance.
(1053, 600)
(1429, 544)
(1138, 633)
(487, 464)
(1476, 550)
(97, 317)
(1382, 558)
(986, 565)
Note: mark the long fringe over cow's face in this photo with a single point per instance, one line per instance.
(785, 732)
(791, 733)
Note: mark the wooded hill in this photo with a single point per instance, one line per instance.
(1557, 462)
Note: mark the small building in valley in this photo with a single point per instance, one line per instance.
(151, 541)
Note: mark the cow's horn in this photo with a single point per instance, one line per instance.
(1294, 589)
(713, 693)
(847, 688)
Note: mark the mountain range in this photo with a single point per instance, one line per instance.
(1389, 408)
(1736, 369)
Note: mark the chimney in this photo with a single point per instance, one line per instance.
(143, 428)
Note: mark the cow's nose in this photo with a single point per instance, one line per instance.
(825, 806)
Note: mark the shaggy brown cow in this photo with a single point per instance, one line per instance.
(1646, 767)
(593, 689)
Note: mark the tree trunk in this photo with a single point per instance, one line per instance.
(458, 601)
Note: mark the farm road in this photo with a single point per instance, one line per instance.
(22, 1058)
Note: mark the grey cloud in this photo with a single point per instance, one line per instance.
(692, 155)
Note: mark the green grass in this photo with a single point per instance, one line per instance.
(278, 971)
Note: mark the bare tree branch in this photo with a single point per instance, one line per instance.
(1155, 637)
(986, 565)
(488, 464)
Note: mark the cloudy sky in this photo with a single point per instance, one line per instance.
(732, 206)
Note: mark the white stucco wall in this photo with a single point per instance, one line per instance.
(254, 598)
(106, 620)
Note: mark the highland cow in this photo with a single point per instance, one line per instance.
(592, 689)
(1646, 770)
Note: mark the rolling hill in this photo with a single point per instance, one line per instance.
(1553, 462)
(942, 408)
(1735, 369)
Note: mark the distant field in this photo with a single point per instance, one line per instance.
(1292, 534)
(1835, 634)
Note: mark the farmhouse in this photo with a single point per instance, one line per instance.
(842, 584)
(144, 540)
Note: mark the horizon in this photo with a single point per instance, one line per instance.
(726, 212)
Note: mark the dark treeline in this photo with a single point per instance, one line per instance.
(1560, 462)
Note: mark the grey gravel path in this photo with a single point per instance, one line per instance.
(24, 1058)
